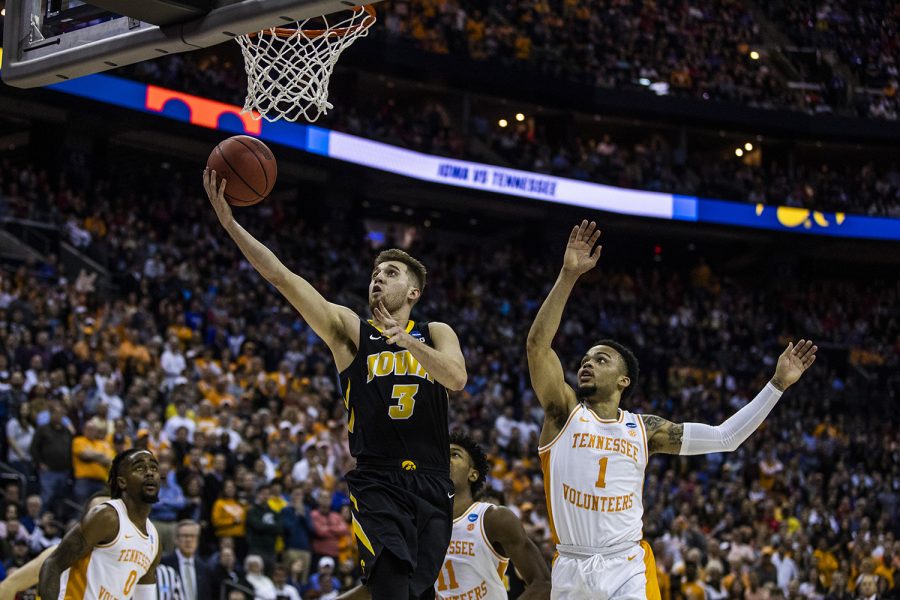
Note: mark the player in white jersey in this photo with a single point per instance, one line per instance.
(26, 576)
(113, 552)
(485, 538)
(593, 453)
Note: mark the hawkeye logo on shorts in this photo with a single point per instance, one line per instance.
(473, 517)
(408, 465)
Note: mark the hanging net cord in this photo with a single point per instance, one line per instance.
(288, 69)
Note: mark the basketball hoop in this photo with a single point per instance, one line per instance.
(288, 68)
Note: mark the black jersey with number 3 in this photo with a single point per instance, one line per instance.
(396, 411)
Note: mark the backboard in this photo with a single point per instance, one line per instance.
(48, 41)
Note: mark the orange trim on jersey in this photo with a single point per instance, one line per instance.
(619, 419)
(546, 446)
(77, 582)
(501, 571)
(646, 461)
(457, 519)
(640, 421)
(545, 468)
(653, 592)
(119, 532)
(108, 545)
(486, 540)
(409, 326)
(124, 512)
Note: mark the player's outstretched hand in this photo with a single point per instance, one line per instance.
(216, 195)
(394, 333)
(581, 256)
(793, 362)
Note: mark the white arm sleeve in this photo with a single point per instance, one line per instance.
(145, 592)
(706, 439)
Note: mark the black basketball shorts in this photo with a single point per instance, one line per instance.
(407, 513)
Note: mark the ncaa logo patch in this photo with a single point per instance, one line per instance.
(473, 517)
(631, 425)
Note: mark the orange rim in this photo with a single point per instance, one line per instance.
(284, 32)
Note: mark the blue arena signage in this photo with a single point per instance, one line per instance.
(513, 183)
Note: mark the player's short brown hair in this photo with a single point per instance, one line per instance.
(416, 269)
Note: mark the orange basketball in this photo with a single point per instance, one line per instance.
(247, 165)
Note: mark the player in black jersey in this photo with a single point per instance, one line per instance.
(394, 375)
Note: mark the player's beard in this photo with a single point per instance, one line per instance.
(390, 303)
(586, 391)
(150, 498)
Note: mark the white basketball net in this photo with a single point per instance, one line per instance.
(288, 69)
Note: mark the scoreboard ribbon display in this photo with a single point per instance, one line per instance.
(512, 183)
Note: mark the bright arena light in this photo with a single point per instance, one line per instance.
(748, 147)
(520, 117)
(502, 123)
(738, 152)
(754, 55)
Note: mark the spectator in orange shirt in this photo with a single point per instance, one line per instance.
(229, 515)
(180, 329)
(92, 455)
(219, 393)
(825, 561)
(692, 587)
(95, 225)
(770, 468)
(132, 351)
(207, 421)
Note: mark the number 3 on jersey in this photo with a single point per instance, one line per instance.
(406, 401)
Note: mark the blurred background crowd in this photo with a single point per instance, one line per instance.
(194, 357)
(643, 155)
(836, 57)
(183, 349)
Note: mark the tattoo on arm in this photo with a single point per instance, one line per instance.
(663, 436)
(676, 435)
(653, 424)
(71, 548)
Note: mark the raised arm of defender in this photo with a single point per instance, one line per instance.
(338, 326)
(547, 376)
(667, 437)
